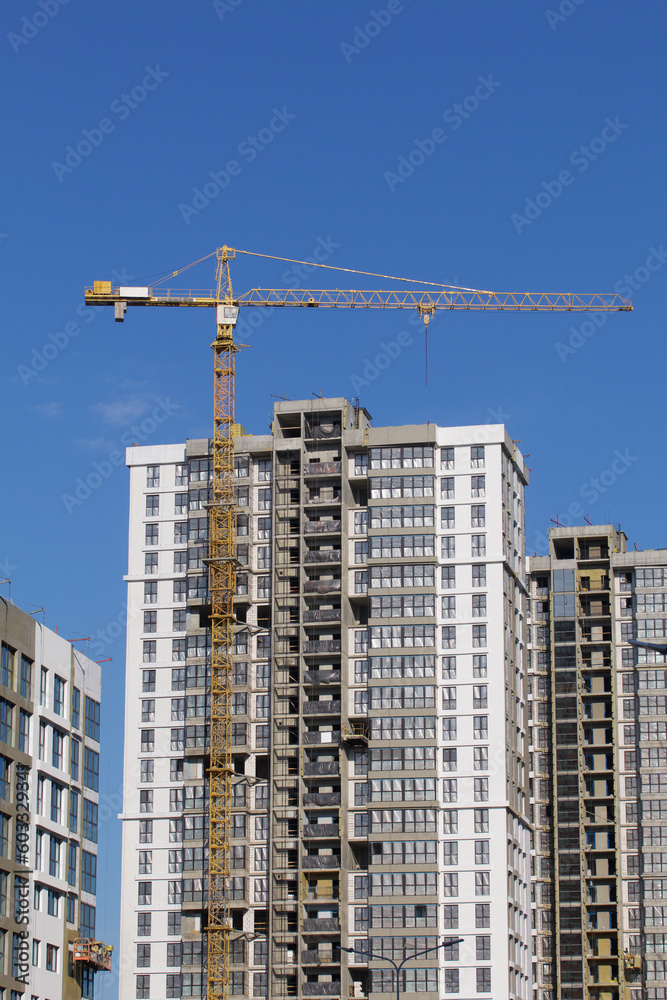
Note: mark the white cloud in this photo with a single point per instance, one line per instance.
(122, 411)
(50, 411)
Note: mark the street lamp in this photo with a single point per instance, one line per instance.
(408, 958)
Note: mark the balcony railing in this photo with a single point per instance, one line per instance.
(322, 615)
(321, 708)
(329, 736)
(322, 677)
(323, 556)
(322, 469)
(321, 989)
(321, 586)
(321, 799)
(321, 767)
(322, 527)
(314, 924)
(320, 861)
(315, 830)
(322, 646)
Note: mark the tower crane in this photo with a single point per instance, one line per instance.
(432, 298)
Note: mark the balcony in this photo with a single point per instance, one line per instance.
(323, 556)
(329, 736)
(326, 526)
(321, 989)
(322, 469)
(320, 861)
(321, 707)
(316, 677)
(313, 925)
(322, 615)
(311, 831)
(321, 586)
(321, 799)
(316, 956)
(321, 767)
(322, 646)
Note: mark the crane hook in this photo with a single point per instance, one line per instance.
(426, 311)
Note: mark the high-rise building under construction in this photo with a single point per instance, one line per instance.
(380, 796)
(598, 741)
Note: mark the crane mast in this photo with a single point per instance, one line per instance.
(222, 584)
(222, 508)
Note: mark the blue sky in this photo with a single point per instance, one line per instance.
(548, 176)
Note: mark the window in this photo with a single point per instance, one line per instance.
(361, 522)
(446, 458)
(150, 562)
(449, 607)
(448, 577)
(263, 499)
(24, 731)
(479, 575)
(451, 980)
(481, 758)
(449, 729)
(51, 958)
(482, 914)
(54, 856)
(152, 505)
(146, 831)
(478, 486)
(447, 488)
(478, 516)
(4, 837)
(143, 956)
(447, 517)
(144, 893)
(43, 683)
(481, 789)
(144, 924)
(6, 718)
(448, 546)
(448, 667)
(151, 534)
(148, 710)
(153, 475)
(479, 665)
(58, 695)
(402, 546)
(180, 503)
(8, 661)
(450, 852)
(480, 696)
(74, 750)
(92, 716)
(478, 636)
(477, 545)
(150, 621)
(88, 872)
(56, 802)
(91, 769)
(449, 637)
(415, 457)
(483, 980)
(482, 883)
(450, 885)
(179, 623)
(482, 852)
(479, 605)
(449, 790)
(57, 748)
(143, 989)
(89, 830)
(477, 456)
(147, 770)
(25, 687)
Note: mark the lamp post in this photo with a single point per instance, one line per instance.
(408, 958)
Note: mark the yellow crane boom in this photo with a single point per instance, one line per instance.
(222, 512)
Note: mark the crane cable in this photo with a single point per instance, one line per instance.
(329, 267)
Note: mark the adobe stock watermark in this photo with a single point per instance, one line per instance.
(105, 637)
(388, 353)
(32, 25)
(454, 117)
(56, 343)
(101, 471)
(121, 107)
(364, 34)
(249, 149)
(624, 286)
(591, 491)
(223, 7)
(294, 277)
(565, 9)
(581, 158)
